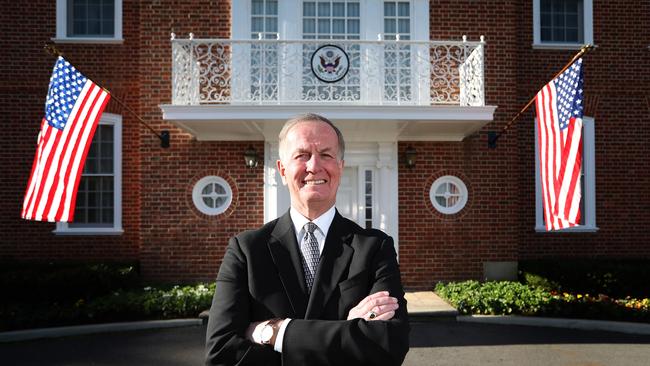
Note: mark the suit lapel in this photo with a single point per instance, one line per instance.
(286, 256)
(333, 264)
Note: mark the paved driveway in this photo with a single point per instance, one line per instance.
(438, 342)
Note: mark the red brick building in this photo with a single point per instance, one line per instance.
(412, 87)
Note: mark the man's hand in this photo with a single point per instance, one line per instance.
(378, 306)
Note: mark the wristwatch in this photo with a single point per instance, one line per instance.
(270, 331)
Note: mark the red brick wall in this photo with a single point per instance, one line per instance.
(617, 83)
(175, 242)
(435, 247)
(25, 70)
(178, 242)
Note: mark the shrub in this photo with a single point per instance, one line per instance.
(472, 297)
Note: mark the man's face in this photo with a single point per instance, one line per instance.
(310, 167)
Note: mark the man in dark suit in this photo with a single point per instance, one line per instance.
(312, 287)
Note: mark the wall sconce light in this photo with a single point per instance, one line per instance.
(410, 155)
(250, 157)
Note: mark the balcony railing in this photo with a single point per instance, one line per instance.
(224, 71)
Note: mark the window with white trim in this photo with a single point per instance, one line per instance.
(562, 23)
(448, 194)
(331, 19)
(587, 183)
(212, 195)
(264, 19)
(89, 20)
(397, 57)
(98, 208)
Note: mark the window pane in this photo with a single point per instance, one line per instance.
(323, 9)
(441, 201)
(208, 202)
(323, 26)
(219, 189)
(271, 25)
(338, 9)
(271, 7)
(442, 189)
(257, 24)
(404, 26)
(309, 26)
(309, 9)
(403, 9)
(353, 26)
(368, 201)
(547, 35)
(389, 9)
(368, 188)
(558, 20)
(389, 26)
(207, 189)
(545, 5)
(558, 34)
(353, 9)
(368, 213)
(107, 216)
(220, 202)
(258, 7)
(338, 26)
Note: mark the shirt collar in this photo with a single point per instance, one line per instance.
(323, 221)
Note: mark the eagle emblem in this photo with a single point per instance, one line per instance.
(330, 63)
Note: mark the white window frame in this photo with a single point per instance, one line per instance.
(198, 201)
(464, 197)
(62, 228)
(588, 31)
(62, 25)
(589, 174)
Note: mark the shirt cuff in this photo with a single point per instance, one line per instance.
(278, 340)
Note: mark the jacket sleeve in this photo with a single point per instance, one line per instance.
(354, 342)
(226, 342)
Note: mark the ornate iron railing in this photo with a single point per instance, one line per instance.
(224, 71)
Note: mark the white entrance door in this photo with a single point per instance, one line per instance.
(347, 198)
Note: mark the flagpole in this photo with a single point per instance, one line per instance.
(494, 136)
(163, 136)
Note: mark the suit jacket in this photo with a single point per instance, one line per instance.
(261, 277)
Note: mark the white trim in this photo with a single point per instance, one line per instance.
(589, 195)
(62, 228)
(588, 28)
(463, 194)
(378, 156)
(98, 40)
(197, 192)
(62, 24)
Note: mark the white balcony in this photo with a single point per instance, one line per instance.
(243, 89)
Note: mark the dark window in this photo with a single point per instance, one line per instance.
(90, 18)
(96, 194)
(561, 21)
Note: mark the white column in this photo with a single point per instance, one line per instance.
(387, 190)
(276, 195)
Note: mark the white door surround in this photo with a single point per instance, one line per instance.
(380, 158)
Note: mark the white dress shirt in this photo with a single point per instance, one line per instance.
(323, 222)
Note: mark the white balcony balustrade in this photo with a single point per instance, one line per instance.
(279, 72)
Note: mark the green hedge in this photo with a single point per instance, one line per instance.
(505, 298)
(472, 297)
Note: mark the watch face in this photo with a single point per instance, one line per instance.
(267, 333)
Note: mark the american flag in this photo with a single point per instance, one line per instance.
(72, 110)
(559, 135)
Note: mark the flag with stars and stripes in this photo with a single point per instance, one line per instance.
(72, 110)
(559, 135)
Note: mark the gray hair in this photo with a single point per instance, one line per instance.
(308, 117)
